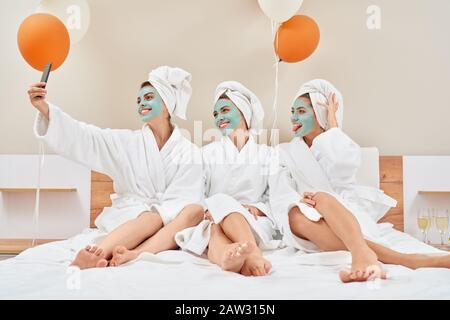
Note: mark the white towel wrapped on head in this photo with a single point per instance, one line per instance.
(173, 85)
(319, 91)
(246, 101)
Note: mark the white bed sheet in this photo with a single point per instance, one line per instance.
(42, 273)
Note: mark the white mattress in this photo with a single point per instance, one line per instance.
(41, 273)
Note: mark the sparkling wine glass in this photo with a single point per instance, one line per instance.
(441, 222)
(423, 222)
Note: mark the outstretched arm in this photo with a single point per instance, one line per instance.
(98, 149)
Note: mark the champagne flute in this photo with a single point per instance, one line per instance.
(441, 219)
(432, 214)
(423, 222)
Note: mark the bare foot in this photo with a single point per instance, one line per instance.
(256, 265)
(235, 254)
(372, 272)
(365, 267)
(90, 257)
(122, 255)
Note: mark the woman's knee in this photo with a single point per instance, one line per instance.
(150, 217)
(297, 222)
(234, 216)
(323, 200)
(193, 214)
(322, 196)
(216, 229)
(296, 216)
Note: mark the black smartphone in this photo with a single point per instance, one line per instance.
(46, 73)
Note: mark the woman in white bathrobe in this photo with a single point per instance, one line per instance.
(315, 198)
(236, 171)
(151, 168)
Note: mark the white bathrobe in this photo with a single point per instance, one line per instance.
(233, 179)
(145, 178)
(330, 166)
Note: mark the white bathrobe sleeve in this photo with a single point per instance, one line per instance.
(83, 143)
(338, 155)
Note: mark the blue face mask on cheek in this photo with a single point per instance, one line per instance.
(227, 116)
(150, 103)
(302, 118)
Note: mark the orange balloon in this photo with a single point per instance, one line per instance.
(297, 39)
(43, 38)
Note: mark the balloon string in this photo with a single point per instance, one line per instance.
(38, 191)
(276, 85)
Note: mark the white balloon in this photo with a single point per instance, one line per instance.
(280, 10)
(75, 14)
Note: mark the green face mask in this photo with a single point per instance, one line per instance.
(227, 116)
(302, 118)
(149, 104)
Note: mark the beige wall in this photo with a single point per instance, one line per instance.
(395, 81)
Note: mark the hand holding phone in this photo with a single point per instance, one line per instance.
(37, 92)
(46, 73)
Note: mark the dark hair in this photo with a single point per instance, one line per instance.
(146, 84)
(306, 95)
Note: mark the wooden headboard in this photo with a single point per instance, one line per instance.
(101, 188)
(391, 182)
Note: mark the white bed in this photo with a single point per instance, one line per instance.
(43, 273)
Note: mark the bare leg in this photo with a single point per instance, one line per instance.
(223, 252)
(130, 234)
(346, 227)
(344, 224)
(237, 229)
(325, 238)
(321, 234)
(412, 261)
(164, 239)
